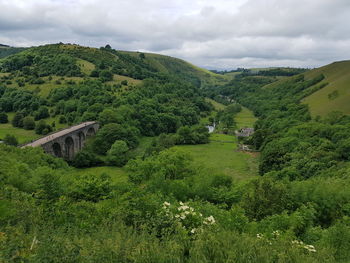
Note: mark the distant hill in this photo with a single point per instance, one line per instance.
(335, 95)
(6, 50)
(330, 94)
(67, 60)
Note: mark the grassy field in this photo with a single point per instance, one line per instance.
(145, 142)
(85, 66)
(217, 106)
(245, 118)
(338, 79)
(22, 135)
(117, 174)
(220, 156)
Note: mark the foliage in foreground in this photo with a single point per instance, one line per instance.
(167, 212)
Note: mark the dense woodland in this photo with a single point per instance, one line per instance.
(169, 210)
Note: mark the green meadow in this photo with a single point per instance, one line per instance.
(22, 135)
(118, 175)
(245, 118)
(221, 156)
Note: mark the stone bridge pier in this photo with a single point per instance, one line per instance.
(68, 142)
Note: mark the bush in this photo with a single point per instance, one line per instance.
(42, 113)
(62, 119)
(91, 188)
(29, 123)
(17, 120)
(3, 117)
(106, 75)
(10, 140)
(85, 159)
(43, 128)
(117, 155)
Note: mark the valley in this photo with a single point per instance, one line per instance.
(153, 185)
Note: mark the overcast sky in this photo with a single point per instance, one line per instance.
(216, 34)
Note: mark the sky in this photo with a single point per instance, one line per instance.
(215, 34)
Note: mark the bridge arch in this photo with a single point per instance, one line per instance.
(81, 140)
(57, 150)
(69, 147)
(91, 131)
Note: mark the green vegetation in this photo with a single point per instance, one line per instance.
(337, 78)
(6, 51)
(22, 135)
(221, 156)
(245, 118)
(179, 194)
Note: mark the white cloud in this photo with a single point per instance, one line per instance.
(214, 34)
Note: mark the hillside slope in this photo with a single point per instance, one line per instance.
(6, 51)
(74, 62)
(335, 96)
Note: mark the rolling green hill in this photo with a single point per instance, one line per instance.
(335, 95)
(54, 64)
(6, 50)
(332, 93)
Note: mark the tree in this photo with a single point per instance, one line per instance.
(142, 56)
(42, 128)
(86, 158)
(108, 46)
(227, 120)
(10, 140)
(117, 155)
(109, 133)
(28, 123)
(17, 120)
(62, 119)
(108, 115)
(106, 75)
(42, 113)
(3, 117)
(95, 73)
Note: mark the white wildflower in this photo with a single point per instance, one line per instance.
(210, 219)
(310, 248)
(259, 235)
(276, 233)
(183, 207)
(193, 231)
(166, 204)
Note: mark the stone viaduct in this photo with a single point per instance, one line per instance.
(66, 143)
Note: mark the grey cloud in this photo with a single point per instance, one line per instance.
(220, 34)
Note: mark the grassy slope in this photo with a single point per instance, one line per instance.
(245, 118)
(169, 64)
(338, 78)
(165, 64)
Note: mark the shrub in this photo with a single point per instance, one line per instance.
(10, 140)
(3, 117)
(28, 123)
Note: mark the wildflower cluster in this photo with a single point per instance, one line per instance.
(186, 216)
(274, 236)
(309, 248)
